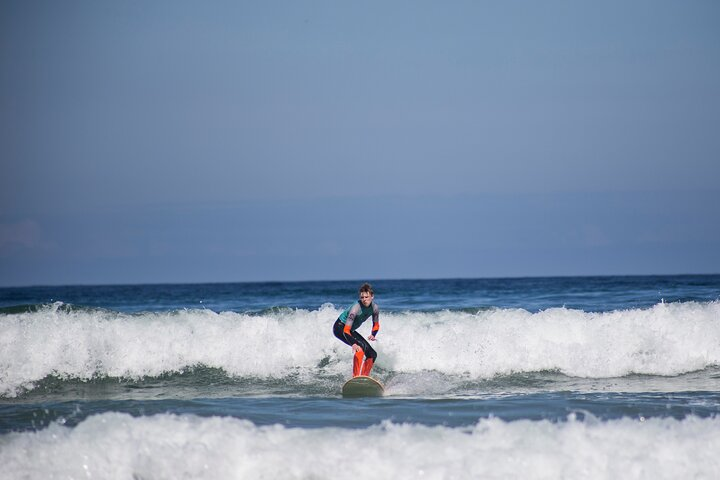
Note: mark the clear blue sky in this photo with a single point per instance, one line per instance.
(174, 141)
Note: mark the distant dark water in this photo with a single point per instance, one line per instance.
(590, 294)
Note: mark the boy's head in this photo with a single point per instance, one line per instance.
(366, 294)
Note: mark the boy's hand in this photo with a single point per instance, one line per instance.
(371, 337)
(356, 348)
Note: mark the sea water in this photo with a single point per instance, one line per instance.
(607, 377)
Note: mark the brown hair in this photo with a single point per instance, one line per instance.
(366, 287)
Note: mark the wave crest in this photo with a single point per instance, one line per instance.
(115, 445)
(80, 343)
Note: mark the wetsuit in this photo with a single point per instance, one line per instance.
(345, 328)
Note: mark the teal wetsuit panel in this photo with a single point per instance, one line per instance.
(357, 314)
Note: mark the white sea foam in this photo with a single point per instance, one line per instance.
(667, 339)
(114, 445)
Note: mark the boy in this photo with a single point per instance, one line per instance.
(346, 325)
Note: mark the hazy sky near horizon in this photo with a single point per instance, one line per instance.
(177, 141)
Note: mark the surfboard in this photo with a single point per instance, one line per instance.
(363, 386)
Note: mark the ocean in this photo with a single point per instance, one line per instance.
(547, 378)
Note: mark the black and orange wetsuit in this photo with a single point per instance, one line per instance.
(345, 328)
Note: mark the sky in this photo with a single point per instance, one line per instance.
(185, 141)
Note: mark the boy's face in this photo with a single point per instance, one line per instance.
(366, 298)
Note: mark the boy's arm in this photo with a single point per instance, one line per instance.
(376, 322)
(348, 324)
